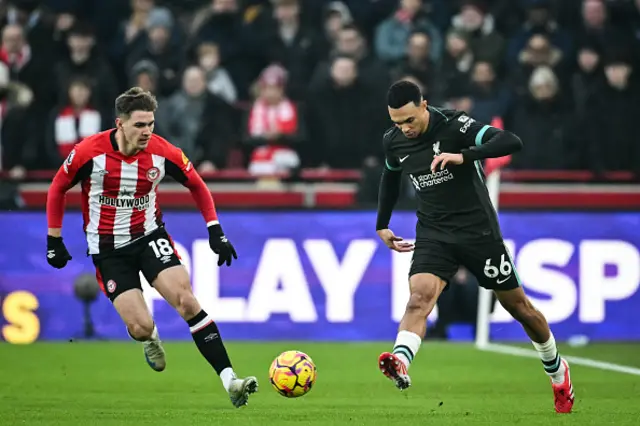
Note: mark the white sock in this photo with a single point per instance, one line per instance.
(551, 360)
(407, 346)
(154, 334)
(227, 375)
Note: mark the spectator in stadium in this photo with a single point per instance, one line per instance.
(85, 61)
(454, 71)
(17, 145)
(588, 76)
(102, 15)
(234, 40)
(393, 34)
(219, 82)
(75, 119)
(25, 65)
(145, 74)
(489, 97)
(370, 70)
(31, 69)
(596, 27)
(538, 52)
(539, 21)
(38, 30)
(479, 26)
(293, 46)
(130, 35)
(543, 121)
(222, 24)
(159, 46)
(65, 19)
(611, 117)
(347, 118)
(417, 62)
(336, 16)
(199, 123)
(274, 127)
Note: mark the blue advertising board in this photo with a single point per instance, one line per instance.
(325, 276)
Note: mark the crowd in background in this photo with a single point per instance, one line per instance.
(274, 85)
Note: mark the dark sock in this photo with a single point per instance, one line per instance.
(207, 337)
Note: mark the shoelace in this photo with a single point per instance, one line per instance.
(153, 349)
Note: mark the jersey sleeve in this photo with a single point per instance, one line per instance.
(479, 141)
(179, 167)
(76, 167)
(472, 132)
(391, 162)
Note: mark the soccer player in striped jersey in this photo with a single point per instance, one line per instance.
(119, 171)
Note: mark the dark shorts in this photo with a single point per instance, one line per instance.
(489, 261)
(119, 270)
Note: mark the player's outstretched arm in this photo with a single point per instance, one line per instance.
(388, 194)
(181, 169)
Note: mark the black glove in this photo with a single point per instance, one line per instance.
(57, 254)
(221, 245)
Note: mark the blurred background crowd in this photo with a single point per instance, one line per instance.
(274, 85)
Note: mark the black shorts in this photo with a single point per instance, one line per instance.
(119, 270)
(489, 261)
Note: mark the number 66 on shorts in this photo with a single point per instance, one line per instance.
(488, 261)
(501, 274)
(498, 271)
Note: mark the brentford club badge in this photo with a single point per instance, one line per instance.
(111, 286)
(153, 174)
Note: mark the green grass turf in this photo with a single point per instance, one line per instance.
(84, 384)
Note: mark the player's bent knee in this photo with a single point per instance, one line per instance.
(188, 306)
(419, 303)
(141, 330)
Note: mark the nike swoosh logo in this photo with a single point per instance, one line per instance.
(506, 279)
(403, 158)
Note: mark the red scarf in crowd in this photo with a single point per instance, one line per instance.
(281, 118)
(18, 60)
(72, 126)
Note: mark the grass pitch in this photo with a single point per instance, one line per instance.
(84, 384)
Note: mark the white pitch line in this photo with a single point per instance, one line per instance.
(587, 362)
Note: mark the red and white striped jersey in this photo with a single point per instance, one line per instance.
(119, 196)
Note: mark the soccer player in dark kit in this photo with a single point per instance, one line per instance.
(440, 151)
(119, 171)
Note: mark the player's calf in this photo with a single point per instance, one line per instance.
(537, 328)
(132, 308)
(173, 284)
(424, 292)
